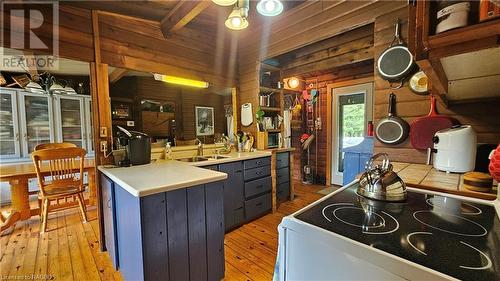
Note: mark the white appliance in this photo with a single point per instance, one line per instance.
(312, 245)
(455, 149)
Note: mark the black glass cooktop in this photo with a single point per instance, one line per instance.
(455, 237)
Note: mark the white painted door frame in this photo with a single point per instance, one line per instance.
(336, 92)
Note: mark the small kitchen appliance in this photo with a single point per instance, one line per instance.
(380, 182)
(454, 149)
(137, 145)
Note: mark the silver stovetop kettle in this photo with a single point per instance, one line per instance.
(380, 182)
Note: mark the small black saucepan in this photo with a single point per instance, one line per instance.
(392, 129)
(396, 62)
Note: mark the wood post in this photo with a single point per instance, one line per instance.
(101, 116)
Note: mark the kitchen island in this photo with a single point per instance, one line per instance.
(166, 220)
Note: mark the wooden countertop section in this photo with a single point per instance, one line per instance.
(426, 177)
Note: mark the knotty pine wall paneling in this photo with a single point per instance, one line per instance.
(319, 147)
(138, 44)
(304, 25)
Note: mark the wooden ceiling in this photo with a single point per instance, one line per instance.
(329, 55)
(174, 15)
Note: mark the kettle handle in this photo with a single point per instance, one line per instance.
(385, 162)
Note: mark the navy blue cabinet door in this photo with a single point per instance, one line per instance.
(233, 194)
(214, 196)
(155, 237)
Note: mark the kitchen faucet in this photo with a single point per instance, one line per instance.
(200, 148)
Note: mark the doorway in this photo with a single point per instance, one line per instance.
(351, 111)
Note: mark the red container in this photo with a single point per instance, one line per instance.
(494, 166)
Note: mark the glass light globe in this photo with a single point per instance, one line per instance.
(269, 8)
(293, 82)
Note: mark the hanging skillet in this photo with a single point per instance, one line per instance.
(392, 129)
(396, 62)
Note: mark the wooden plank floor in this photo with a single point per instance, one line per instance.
(70, 250)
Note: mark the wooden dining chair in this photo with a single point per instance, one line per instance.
(65, 171)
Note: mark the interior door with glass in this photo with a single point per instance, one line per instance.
(352, 109)
(70, 120)
(9, 130)
(36, 120)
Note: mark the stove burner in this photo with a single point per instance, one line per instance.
(450, 223)
(420, 247)
(466, 208)
(413, 246)
(368, 221)
(488, 260)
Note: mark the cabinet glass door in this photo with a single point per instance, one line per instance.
(88, 126)
(9, 134)
(37, 121)
(71, 120)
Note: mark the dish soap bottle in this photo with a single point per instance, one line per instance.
(168, 151)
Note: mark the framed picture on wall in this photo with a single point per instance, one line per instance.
(204, 118)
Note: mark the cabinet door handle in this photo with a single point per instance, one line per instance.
(259, 162)
(109, 203)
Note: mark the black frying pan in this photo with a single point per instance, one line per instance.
(396, 62)
(392, 129)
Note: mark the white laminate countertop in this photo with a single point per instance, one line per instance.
(168, 175)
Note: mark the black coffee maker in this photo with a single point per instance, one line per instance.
(137, 145)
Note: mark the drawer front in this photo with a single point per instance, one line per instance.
(282, 160)
(258, 206)
(283, 191)
(282, 175)
(256, 173)
(257, 187)
(258, 162)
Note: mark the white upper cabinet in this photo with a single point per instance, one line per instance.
(28, 119)
(36, 121)
(9, 125)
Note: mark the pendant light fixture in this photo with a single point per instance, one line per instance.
(237, 20)
(225, 2)
(269, 8)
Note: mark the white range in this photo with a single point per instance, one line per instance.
(431, 236)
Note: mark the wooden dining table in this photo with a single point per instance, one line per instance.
(18, 175)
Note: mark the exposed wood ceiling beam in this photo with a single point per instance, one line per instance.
(181, 15)
(117, 74)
